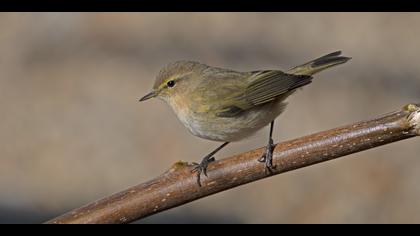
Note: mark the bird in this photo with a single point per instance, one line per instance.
(227, 106)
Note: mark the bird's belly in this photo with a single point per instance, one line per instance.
(230, 129)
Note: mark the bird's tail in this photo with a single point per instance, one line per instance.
(319, 64)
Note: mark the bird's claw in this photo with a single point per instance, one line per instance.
(267, 157)
(202, 168)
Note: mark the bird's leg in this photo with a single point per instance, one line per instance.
(202, 167)
(267, 157)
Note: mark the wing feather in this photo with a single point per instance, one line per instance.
(264, 87)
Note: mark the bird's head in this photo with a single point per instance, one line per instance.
(175, 79)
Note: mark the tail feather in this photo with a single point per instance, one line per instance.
(319, 64)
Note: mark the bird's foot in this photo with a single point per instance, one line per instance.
(267, 157)
(202, 168)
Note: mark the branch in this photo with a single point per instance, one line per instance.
(178, 186)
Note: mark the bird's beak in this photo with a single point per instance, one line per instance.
(148, 96)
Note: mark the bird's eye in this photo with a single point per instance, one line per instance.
(171, 83)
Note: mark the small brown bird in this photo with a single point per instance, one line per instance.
(225, 105)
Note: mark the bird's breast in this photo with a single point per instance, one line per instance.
(188, 117)
(205, 124)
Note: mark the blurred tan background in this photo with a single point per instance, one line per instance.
(72, 131)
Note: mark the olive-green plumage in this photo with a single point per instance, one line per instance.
(226, 105)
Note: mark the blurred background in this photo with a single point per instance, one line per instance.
(72, 130)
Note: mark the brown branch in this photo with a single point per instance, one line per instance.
(178, 186)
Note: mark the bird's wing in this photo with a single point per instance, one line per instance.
(262, 87)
